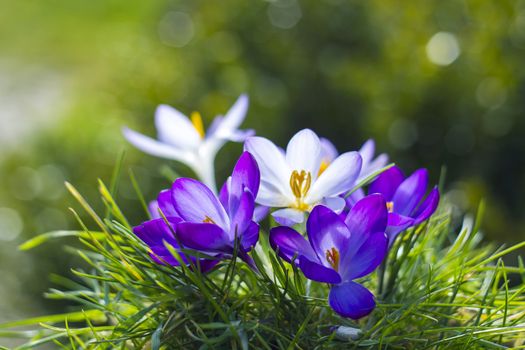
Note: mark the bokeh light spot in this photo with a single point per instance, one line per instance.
(284, 14)
(176, 29)
(402, 133)
(11, 224)
(443, 48)
(491, 93)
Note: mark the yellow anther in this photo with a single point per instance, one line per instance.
(300, 183)
(323, 166)
(390, 206)
(208, 220)
(332, 256)
(196, 120)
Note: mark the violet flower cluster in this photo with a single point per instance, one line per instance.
(327, 224)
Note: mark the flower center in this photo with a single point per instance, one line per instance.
(208, 220)
(196, 120)
(300, 184)
(323, 166)
(332, 256)
(390, 206)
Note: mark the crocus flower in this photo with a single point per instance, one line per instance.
(404, 197)
(292, 180)
(338, 252)
(211, 224)
(185, 140)
(369, 165)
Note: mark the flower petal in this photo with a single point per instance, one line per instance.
(275, 172)
(387, 182)
(354, 197)
(318, 272)
(155, 232)
(304, 152)
(224, 193)
(351, 300)
(250, 236)
(367, 151)
(233, 118)
(367, 216)
(271, 196)
(260, 212)
(336, 204)
(196, 203)
(428, 207)
(410, 192)
(175, 128)
(326, 230)
(148, 145)
(328, 150)
(165, 203)
(204, 236)
(242, 216)
(288, 216)
(290, 243)
(375, 165)
(245, 175)
(338, 178)
(366, 259)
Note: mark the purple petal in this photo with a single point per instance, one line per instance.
(288, 216)
(326, 230)
(351, 300)
(367, 216)
(336, 204)
(290, 243)
(196, 203)
(153, 209)
(366, 259)
(387, 182)
(428, 207)
(154, 232)
(410, 192)
(250, 237)
(395, 219)
(207, 264)
(165, 203)
(393, 231)
(224, 193)
(260, 212)
(318, 272)
(245, 175)
(205, 237)
(356, 196)
(242, 217)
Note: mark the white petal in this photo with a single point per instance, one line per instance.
(233, 118)
(367, 151)
(271, 196)
(175, 128)
(156, 148)
(337, 204)
(271, 162)
(328, 150)
(304, 152)
(288, 216)
(338, 178)
(376, 164)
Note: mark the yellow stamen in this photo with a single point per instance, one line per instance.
(196, 120)
(300, 183)
(208, 220)
(332, 256)
(390, 206)
(323, 166)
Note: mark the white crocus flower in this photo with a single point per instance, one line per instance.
(294, 180)
(185, 140)
(370, 164)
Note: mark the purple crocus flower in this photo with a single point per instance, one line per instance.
(204, 222)
(404, 197)
(339, 251)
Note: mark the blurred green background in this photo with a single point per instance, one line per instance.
(436, 83)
